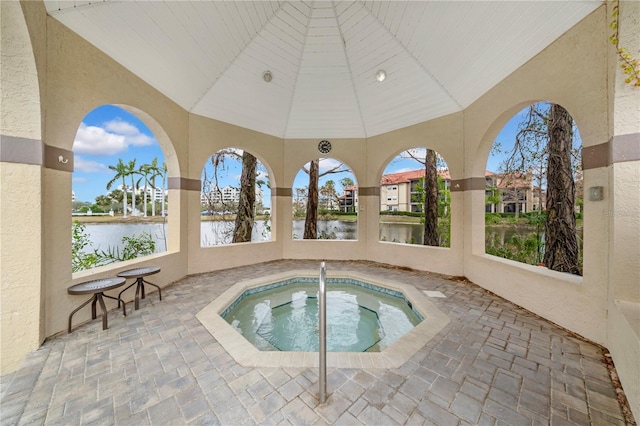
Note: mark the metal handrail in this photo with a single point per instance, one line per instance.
(322, 319)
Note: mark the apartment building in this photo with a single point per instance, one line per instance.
(227, 194)
(515, 191)
(349, 199)
(399, 191)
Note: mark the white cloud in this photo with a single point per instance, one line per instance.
(132, 134)
(330, 163)
(94, 140)
(112, 138)
(140, 140)
(121, 127)
(88, 166)
(79, 180)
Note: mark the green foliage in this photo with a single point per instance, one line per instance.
(400, 213)
(492, 218)
(629, 65)
(346, 182)
(444, 200)
(324, 235)
(525, 249)
(339, 213)
(444, 232)
(494, 196)
(537, 218)
(134, 246)
(80, 240)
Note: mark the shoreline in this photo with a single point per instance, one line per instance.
(159, 219)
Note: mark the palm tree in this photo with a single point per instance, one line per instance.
(131, 171)
(155, 172)
(122, 171)
(144, 171)
(163, 173)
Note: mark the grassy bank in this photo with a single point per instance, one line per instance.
(521, 222)
(117, 219)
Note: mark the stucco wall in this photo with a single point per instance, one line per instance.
(569, 72)
(78, 79)
(20, 262)
(622, 201)
(21, 189)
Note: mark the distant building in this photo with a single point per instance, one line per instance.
(516, 191)
(349, 199)
(398, 190)
(159, 193)
(227, 194)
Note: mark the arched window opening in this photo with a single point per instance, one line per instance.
(325, 201)
(235, 199)
(415, 199)
(119, 190)
(535, 190)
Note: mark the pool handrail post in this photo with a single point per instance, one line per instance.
(322, 318)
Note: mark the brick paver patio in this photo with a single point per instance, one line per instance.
(493, 364)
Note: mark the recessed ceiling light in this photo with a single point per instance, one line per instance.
(381, 75)
(267, 76)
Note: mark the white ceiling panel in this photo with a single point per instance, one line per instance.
(209, 55)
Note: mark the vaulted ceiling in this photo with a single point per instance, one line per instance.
(210, 56)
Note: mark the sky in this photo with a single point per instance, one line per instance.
(109, 133)
(106, 134)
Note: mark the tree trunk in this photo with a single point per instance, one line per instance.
(124, 198)
(133, 196)
(164, 185)
(145, 199)
(561, 245)
(311, 221)
(431, 200)
(153, 196)
(246, 204)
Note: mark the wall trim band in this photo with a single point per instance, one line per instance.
(468, 184)
(369, 191)
(619, 149)
(14, 149)
(58, 159)
(183, 183)
(282, 192)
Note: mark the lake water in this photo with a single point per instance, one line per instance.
(108, 235)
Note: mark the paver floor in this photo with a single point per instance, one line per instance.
(493, 364)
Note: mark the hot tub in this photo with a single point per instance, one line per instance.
(363, 299)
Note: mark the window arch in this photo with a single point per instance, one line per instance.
(235, 199)
(120, 177)
(415, 199)
(536, 158)
(333, 198)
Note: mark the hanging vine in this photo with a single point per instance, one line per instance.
(630, 65)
